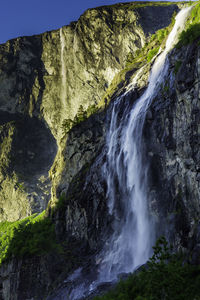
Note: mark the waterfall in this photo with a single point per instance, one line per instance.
(63, 69)
(126, 173)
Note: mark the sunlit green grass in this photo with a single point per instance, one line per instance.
(33, 235)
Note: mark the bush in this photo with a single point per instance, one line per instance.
(33, 235)
(162, 34)
(81, 116)
(152, 53)
(190, 35)
(165, 277)
(192, 31)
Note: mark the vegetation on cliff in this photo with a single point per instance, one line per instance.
(166, 276)
(34, 235)
(81, 116)
(138, 59)
(192, 30)
(149, 51)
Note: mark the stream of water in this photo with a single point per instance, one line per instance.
(126, 174)
(126, 171)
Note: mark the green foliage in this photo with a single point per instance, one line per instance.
(190, 35)
(67, 125)
(151, 49)
(195, 14)
(81, 116)
(192, 31)
(162, 34)
(165, 277)
(92, 109)
(33, 235)
(152, 53)
(137, 59)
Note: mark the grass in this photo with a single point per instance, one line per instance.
(33, 235)
(166, 276)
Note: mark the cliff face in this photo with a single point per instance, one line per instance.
(43, 82)
(172, 128)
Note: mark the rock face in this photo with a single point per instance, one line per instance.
(44, 79)
(172, 128)
(43, 82)
(27, 152)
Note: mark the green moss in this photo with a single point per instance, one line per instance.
(33, 235)
(166, 277)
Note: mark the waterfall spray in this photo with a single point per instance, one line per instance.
(126, 173)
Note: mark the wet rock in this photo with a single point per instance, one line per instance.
(172, 140)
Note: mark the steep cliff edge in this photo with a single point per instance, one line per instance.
(58, 72)
(172, 128)
(48, 78)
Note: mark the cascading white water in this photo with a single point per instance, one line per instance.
(63, 69)
(126, 172)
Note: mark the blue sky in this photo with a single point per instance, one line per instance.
(28, 17)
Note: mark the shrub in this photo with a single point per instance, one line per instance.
(81, 116)
(162, 34)
(190, 35)
(192, 31)
(152, 53)
(33, 235)
(165, 277)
